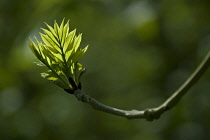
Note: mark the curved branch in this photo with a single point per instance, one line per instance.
(153, 113)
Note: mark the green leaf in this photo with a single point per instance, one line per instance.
(52, 78)
(51, 37)
(52, 31)
(81, 73)
(77, 41)
(68, 42)
(53, 50)
(60, 31)
(59, 57)
(79, 66)
(79, 54)
(68, 54)
(72, 68)
(34, 49)
(65, 33)
(50, 42)
(47, 54)
(56, 27)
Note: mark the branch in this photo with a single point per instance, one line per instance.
(153, 113)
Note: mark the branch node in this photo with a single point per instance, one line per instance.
(86, 98)
(148, 113)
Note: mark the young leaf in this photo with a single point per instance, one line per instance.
(52, 30)
(34, 49)
(81, 73)
(56, 27)
(68, 45)
(50, 42)
(77, 41)
(51, 36)
(61, 31)
(65, 33)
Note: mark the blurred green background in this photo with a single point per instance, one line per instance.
(140, 52)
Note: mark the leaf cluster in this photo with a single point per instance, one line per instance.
(60, 52)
